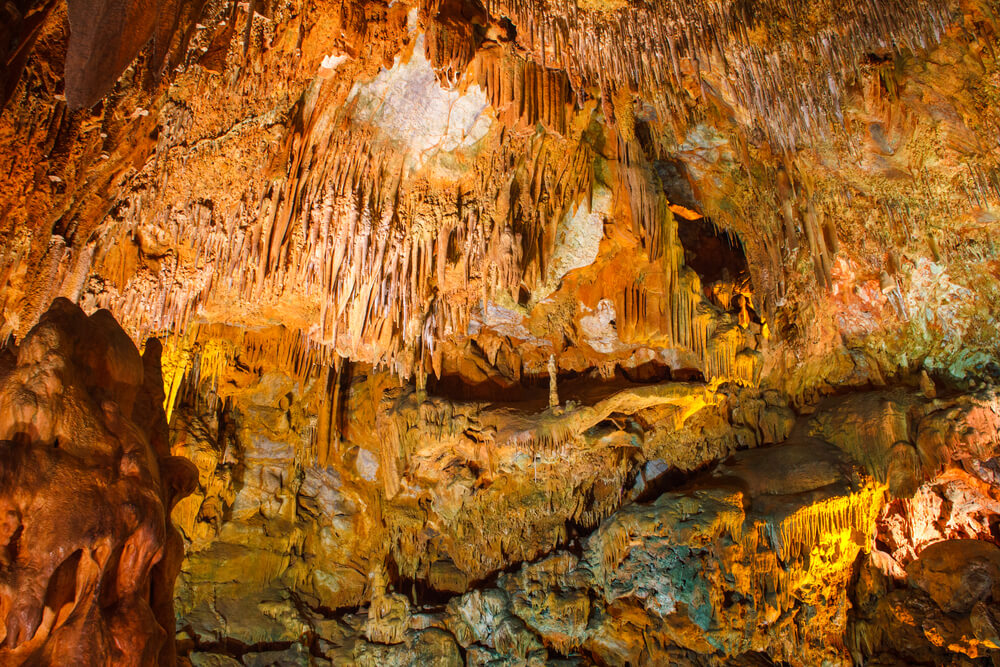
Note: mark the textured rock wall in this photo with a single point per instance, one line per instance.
(794, 550)
(273, 175)
(465, 307)
(89, 554)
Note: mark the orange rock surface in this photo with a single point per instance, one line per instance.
(508, 332)
(89, 552)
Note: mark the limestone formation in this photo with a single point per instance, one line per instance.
(89, 551)
(500, 332)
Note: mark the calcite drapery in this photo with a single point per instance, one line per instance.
(88, 555)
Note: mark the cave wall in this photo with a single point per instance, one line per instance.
(464, 308)
(87, 483)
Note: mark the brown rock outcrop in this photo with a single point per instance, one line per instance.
(89, 555)
(957, 574)
(105, 36)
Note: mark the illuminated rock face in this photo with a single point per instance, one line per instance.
(793, 548)
(86, 487)
(504, 332)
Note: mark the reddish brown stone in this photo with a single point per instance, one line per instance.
(87, 552)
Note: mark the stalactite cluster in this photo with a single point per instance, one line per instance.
(500, 332)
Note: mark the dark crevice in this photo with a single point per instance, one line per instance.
(583, 388)
(61, 590)
(713, 253)
(233, 647)
(421, 593)
(653, 371)
(671, 479)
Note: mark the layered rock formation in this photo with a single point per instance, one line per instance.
(804, 548)
(524, 331)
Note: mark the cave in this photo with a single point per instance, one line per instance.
(461, 333)
(714, 254)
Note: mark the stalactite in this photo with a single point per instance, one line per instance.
(450, 42)
(523, 92)
(553, 391)
(643, 49)
(327, 434)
